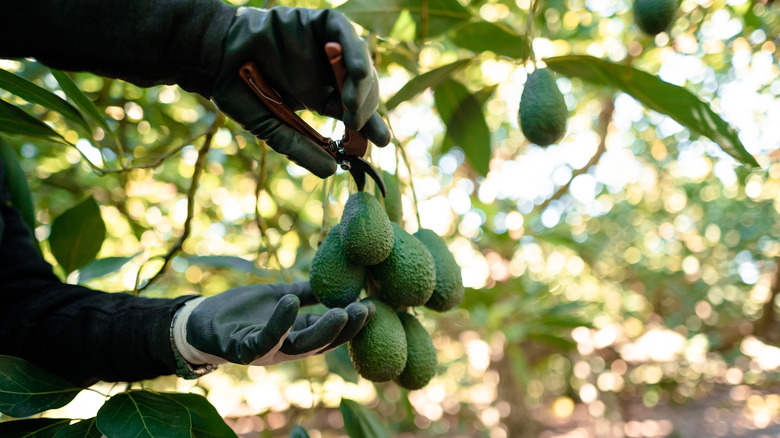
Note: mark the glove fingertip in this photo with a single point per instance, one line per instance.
(284, 314)
(336, 316)
(358, 310)
(377, 131)
(291, 300)
(370, 306)
(357, 64)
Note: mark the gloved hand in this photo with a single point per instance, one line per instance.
(260, 325)
(287, 45)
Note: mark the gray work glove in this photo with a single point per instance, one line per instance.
(260, 325)
(287, 45)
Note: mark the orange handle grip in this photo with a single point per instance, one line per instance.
(355, 143)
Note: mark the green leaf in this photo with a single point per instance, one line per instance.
(16, 181)
(424, 81)
(481, 36)
(77, 235)
(380, 17)
(555, 341)
(206, 421)
(377, 17)
(35, 428)
(82, 429)
(570, 321)
(361, 422)
(100, 267)
(447, 97)
(143, 414)
(339, 362)
(298, 432)
(674, 101)
(17, 122)
(35, 94)
(27, 389)
(80, 99)
(462, 113)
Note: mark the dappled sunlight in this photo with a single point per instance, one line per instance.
(622, 282)
(656, 345)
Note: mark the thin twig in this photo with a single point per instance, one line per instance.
(405, 159)
(402, 151)
(424, 21)
(259, 187)
(529, 25)
(157, 162)
(187, 228)
(604, 119)
(326, 188)
(764, 324)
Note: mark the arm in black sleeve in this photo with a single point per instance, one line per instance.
(145, 42)
(80, 334)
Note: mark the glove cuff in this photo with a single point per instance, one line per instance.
(191, 363)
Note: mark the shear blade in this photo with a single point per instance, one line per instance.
(360, 168)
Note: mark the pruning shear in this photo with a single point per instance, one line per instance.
(347, 151)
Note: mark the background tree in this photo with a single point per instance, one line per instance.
(631, 265)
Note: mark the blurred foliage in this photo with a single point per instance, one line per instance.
(635, 263)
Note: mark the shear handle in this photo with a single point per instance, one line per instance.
(354, 142)
(262, 89)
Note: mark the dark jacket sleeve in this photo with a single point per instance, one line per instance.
(145, 42)
(80, 334)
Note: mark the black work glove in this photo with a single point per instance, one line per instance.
(287, 45)
(260, 325)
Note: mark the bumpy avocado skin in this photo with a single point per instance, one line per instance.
(448, 291)
(335, 280)
(542, 110)
(654, 16)
(379, 350)
(392, 201)
(421, 354)
(366, 235)
(408, 275)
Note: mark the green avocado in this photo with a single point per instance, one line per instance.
(542, 110)
(448, 291)
(654, 16)
(392, 201)
(366, 235)
(421, 355)
(379, 350)
(408, 275)
(335, 280)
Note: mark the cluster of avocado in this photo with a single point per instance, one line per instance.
(398, 270)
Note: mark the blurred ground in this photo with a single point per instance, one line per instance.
(728, 412)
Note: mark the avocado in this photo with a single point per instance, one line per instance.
(392, 201)
(408, 275)
(335, 280)
(542, 110)
(366, 235)
(654, 16)
(420, 357)
(448, 291)
(379, 350)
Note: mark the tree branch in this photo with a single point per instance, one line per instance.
(259, 187)
(197, 171)
(764, 325)
(604, 119)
